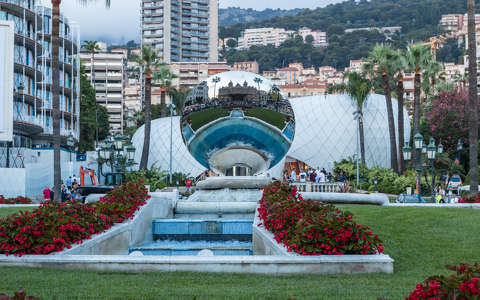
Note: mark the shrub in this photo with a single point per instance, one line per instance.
(463, 285)
(311, 227)
(19, 295)
(470, 199)
(18, 200)
(55, 226)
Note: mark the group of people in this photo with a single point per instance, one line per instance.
(68, 190)
(312, 175)
(446, 196)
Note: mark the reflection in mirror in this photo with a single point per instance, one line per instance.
(237, 124)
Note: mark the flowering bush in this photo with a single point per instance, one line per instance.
(18, 200)
(463, 285)
(470, 199)
(55, 226)
(311, 227)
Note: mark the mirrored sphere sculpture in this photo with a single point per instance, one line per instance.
(237, 124)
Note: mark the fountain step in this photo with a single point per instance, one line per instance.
(224, 216)
(172, 248)
(180, 229)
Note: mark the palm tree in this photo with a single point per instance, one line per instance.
(381, 60)
(165, 77)
(399, 65)
(432, 76)
(149, 62)
(55, 90)
(358, 88)
(92, 46)
(472, 98)
(417, 58)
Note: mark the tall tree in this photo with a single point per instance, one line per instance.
(417, 57)
(399, 65)
(150, 63)
(165, 77)
(472, 97)
(93, 116)
(358, 88)
(91, 46)
(381, 60)
(55, 90)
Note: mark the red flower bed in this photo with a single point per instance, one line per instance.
(463, 285)
(312, 227)
(55, 226)
(470, 199)
(18, 200)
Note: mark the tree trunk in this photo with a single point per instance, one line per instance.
(57, 171)
(148, 113)
(391, 124)
(416, 111)
(163, 112)
(472, 98)
(362, 139)
(401, 132)
(92, 73)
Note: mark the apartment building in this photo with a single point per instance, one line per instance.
(32, 81)
(355, 65)
(247, 66)
(319, 37)
(263, 36)
(191, 74)
(182, 30)
(452, 22)
(109, 80)
(309, 87)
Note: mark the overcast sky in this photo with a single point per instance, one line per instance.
(121, 21)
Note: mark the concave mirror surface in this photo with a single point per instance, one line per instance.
(237, 124)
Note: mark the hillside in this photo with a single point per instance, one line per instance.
(233, 15)
(419, 20)
(410, 14)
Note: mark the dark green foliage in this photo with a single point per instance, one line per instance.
(233, 15)
(88, 122)
(419, 21)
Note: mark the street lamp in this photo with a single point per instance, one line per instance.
(70, 144)
(172, 110)
(440, 148)
(431, 152)
(357, 116)
(459, 149)
(407, 152)
(118, 141)
(115, 154)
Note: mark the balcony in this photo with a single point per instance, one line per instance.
(25, 124)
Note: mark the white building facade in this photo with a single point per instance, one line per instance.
(183, 31)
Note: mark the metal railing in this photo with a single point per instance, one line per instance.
(320, 187)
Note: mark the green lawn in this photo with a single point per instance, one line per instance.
(421, 240)
(206, 116)
(8, 211)
(272, 117)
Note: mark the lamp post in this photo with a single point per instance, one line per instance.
(430, 152)
(357, 115)
(459, 149)
(172, 107)
(115, 154)
(70, 144)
